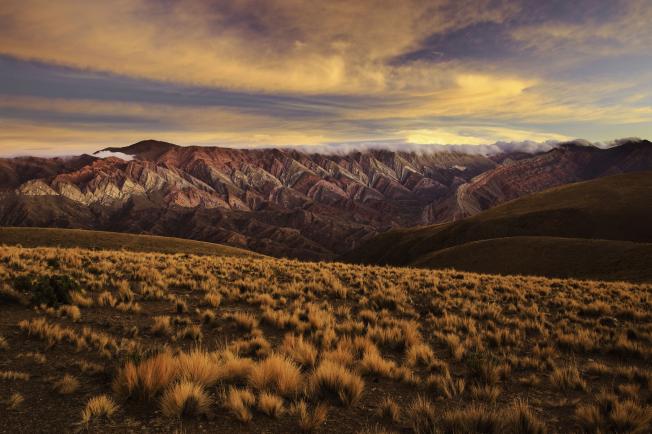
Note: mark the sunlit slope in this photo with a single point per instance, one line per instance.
(50, 237)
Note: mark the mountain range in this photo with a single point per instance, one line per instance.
(286, 202)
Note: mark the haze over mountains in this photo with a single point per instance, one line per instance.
(286, 202)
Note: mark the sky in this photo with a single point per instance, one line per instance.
(77, 76)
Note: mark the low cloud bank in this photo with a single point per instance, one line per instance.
(109, 154)
(530, 147)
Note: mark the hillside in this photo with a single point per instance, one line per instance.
(155, 342)
(610, 208)
(285, 202)
(99, 240)
(548, 256)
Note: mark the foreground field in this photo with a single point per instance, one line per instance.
(164, 343)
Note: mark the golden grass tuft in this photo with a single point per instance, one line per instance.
(331, 378)
(373, 363)
(14, 375)
(422, 416)
(67, 385)
(310, 421)
(389, 409)
(185, 399)
(244, 320)
(78, 298)
(70, 311)
(239, 403)
(270, 404)
(213, 299)
(199, 367)
(609, 414)
(277, 374)
(100, 407)
(146, 378)
(14, 401)
(567, 378)
(299, 350)
(162, 326)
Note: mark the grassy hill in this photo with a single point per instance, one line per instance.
(99, 240)
(614, 208)
(548, 256)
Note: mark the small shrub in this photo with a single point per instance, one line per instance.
(48, 290)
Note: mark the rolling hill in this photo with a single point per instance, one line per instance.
(100, 240)
(592, 229)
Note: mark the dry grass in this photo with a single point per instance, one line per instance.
(422, 415)
(567, 378)
(162, 325)
(147, 378)
(270, 404)
(331, 378)
(609, 414)
(14, 401)
(185, 399)
(70, 311)
(459, 351)
(98, 408)
(14, 375)
(67, 385)
(213, 299)
(389, 409)
(239, 403)
(78, 298)
(277, 374)
(299, 350)
(310, 421)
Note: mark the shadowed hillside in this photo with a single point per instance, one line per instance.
(548, 256)
(611, 208)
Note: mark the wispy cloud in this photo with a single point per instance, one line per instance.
(76, 74)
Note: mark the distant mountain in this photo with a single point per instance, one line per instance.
(284, 202)
(597, 229)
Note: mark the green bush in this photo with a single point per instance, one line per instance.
(49, 290)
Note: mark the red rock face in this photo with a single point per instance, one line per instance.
(284, 202)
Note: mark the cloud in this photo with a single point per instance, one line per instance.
(77, 74)
(109, 154)
(480, 135)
